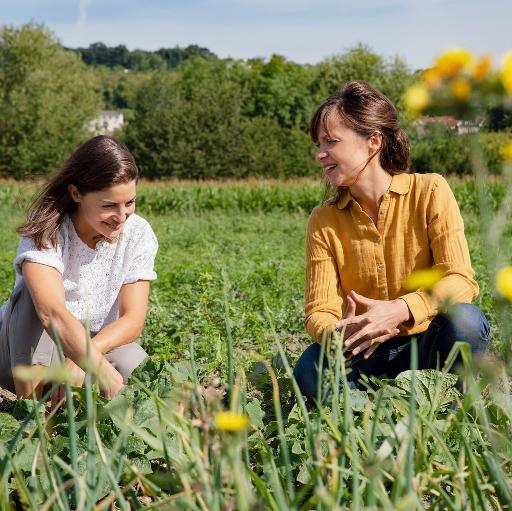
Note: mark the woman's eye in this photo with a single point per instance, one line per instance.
(108, 206)
(331, 141)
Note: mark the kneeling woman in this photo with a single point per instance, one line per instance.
(84, 258)
(382, 225)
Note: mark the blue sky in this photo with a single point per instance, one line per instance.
(301, 30)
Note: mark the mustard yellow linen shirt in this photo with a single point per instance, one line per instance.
(419, 226)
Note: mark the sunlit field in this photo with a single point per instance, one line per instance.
(227, 308)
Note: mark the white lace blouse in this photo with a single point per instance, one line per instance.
(93, 277)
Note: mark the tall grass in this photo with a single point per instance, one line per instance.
(400, 445)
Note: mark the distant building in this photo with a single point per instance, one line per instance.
(458, 125)
(106, 123)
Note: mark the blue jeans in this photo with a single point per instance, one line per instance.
(466, 324)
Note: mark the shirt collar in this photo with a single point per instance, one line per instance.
(399, 184)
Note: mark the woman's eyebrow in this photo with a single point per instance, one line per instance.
(113, 202)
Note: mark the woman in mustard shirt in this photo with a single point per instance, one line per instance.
(361, 246)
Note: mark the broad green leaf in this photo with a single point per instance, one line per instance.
(8, 426)
(433, 389)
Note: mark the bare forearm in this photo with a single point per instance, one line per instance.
(71, 334)
(117, 333)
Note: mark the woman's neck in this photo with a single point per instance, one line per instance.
(371, 186)
(83, 232)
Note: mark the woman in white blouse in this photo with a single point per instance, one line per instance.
(84, 258)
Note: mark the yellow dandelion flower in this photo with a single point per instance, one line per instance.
(229, 421)
(504, 282)
(417, 98)
(425, 279)
(432, 77)
(482, 68)
(506, 72)
(461, 89)
(506, 151)
(453, 61)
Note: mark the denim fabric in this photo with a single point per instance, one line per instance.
(466, 323)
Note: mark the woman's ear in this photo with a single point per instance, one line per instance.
(75, 194)
(375, 142)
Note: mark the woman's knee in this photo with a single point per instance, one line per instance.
(306, 371)
(127, 358)
(469, 324)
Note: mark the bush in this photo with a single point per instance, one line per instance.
(441, 150)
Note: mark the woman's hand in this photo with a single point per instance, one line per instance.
(111, 381)
(77, 380)
(375, 326)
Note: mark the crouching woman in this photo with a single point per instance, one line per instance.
(383, 224)
(84, 258)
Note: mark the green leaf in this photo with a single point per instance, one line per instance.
(434, 390)
(303, 475)
(8, 427)
(182, 371)
(25, 453)
(255, 413)
(135, 445)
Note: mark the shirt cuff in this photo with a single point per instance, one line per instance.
(321, 324)
(419, 308)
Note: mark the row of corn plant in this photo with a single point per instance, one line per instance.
(301, 196)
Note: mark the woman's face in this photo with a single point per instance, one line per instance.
(104, 213)
(342, 152)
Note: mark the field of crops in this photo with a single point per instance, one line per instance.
(225, 324)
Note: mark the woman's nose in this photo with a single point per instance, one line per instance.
(121, 215)
(321, 153)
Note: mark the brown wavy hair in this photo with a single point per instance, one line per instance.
(366, 110)
(99, 163)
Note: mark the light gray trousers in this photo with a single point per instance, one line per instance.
(24, 341)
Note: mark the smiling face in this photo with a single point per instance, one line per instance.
(342, 152)
(103, 213)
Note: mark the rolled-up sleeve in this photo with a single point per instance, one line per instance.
(27, 251)
(142, 257)
(450, 254)
(323, 298)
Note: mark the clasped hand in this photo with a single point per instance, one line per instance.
(376, 325)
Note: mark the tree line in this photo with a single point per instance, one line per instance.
(190, 114)
(99, 54)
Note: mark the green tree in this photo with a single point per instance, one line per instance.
(391, 77)
(190, 124)
(120, 86)
(280, 90)
(47, 97)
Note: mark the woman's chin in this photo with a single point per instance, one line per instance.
(109, 233)
(336, 181)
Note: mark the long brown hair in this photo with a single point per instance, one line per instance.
(365, 110)
(98, 163)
